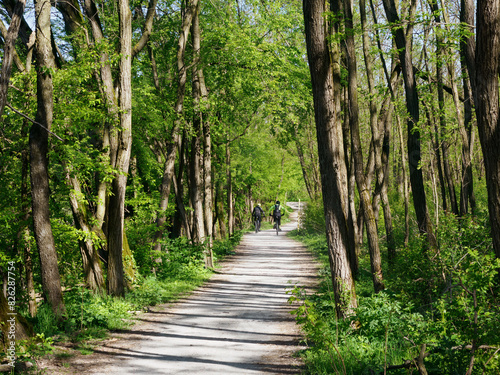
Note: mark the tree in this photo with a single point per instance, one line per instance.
(330, 150)
(39, 137)
(174, 143)
(122, 137)
(403, 44)
(487, 105)
(364, 193)
(9, 52)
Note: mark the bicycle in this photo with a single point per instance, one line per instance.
(277, 228)
(257, 225)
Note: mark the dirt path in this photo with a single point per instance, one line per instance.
(237, 323)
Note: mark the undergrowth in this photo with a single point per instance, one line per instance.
(441, 305)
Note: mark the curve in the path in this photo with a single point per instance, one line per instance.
(237, 323)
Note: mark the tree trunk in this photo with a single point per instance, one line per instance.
(39, 139)
(208, 194)
(309, 182)
(467, 52)
(313, 158)
(91, 266)
(487, 106)
(363, 189)
(413, 142)
(229, 189)
(465, 133)
(199, 80)
(330, 151)
(24, 232)
(382, 185)
(220, 212)
(195, 178)
(467, 197)
(22, 329)
(440, 55)
(116, 210)
(437, 152)
(406, 193)
(380, 142)
(9, 51)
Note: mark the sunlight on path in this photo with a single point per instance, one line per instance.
(237, 323)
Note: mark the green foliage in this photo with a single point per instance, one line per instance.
(458, 291)
(35, 347)
(226, 247)
(313, 218)
(445, 300)
(46, 322)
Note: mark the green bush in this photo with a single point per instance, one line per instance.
(313, 217)
(446, 300)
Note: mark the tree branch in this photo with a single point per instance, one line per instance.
(33, 121)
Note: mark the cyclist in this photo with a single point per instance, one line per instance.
(257, 214)
(276, 214)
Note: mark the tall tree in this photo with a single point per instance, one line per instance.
(404, 46)
(441, 135)
(205, 129)
(174, 143)
(330, 150)
(363, 189)
(94, 276)
(9, 51)
(467, 50)
(487, 105)
(39, 139)
(122, 137)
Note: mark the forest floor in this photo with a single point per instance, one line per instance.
(239, 322)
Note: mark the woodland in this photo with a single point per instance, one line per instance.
(137, 136)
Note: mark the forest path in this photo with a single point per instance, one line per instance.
(236, 323)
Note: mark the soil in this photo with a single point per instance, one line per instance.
(239, 322)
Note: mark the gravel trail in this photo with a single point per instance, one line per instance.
(237, 323)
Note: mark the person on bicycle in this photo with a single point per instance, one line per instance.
(257, 214)
(276, 214)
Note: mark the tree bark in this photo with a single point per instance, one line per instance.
(116, 209)
(440, 55)
(72, 16)
(467, 54)
(380, 123)
(220, 212)
(196, 173)
(199, 81)
(23, 236)
(464, 130)
(9, 52)
(363, 189)
(90, 258)
(487, 106)
(39, 138)
(330, 151)
(229, 189)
